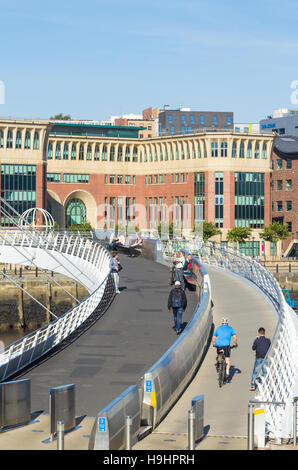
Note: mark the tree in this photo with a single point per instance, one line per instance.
(81, 227)
(210, 230)
(238, 234)
(61, 117)
(275, 232)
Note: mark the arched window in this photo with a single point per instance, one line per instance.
(119, 154)
(112, 153)
(50, 151)
(89, 153)
(1, 139)
(36, 141)
(27, 140)
(249, 150)
(58, 152)
(104, 155)
(96, 153)
(65, 152)
(75, 213)
(9, 140)
(18, 140)
(73, 152)
(257, 150)
(224, 149)
(127, 154)
(241, 150)
(81, 152)
(234, 149)
(264, 150)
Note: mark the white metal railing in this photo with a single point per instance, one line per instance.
(79, 258)
(280, 383)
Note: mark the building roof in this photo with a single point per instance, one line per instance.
(286, 146)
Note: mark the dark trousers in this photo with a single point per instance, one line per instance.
(177, 314)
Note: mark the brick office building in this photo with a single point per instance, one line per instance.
(284, 186)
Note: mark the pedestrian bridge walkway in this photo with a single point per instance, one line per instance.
(116, 351)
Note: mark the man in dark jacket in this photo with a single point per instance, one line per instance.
(261, 345)
(177, 302)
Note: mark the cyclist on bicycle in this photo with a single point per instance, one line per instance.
(222, 340)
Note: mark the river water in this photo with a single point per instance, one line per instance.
(8, 337)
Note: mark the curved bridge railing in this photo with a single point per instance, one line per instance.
(280, 383)
(78, 258)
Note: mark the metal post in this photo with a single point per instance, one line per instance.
(250, 431)
(128, 424)
(60, 435)
(191, 429)
(295, 421)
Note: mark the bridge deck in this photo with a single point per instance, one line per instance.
(115, 352)
(225, 409)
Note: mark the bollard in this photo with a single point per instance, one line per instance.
(191, 429)
(128, 424)
(250, 431)
(60, 435)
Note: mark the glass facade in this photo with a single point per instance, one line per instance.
(18, 188)
(75, 213)
(249, 200)
(199, 195)
(219, 191)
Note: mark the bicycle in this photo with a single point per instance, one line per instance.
(220, 366)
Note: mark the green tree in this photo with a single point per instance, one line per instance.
(274, 232)
(239, 234)
(210, 230)
(81, 227)
(61, 117)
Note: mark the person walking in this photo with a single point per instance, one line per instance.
(177, 302)
(115, 269)
(180, 263)
(260, 345)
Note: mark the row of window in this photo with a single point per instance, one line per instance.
(280, 185)
(183, 119)
(176, 178)
(18, 140)
(278, 206)
(149, 154)
(120, 179)
(67, 178)
(279, 164)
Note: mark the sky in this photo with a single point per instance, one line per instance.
(96, 58)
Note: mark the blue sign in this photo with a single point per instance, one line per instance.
(149, 386)
(268, 126)
(102, 425)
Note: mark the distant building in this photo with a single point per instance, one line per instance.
(184, 121)
(282, 122)
(284, 188)
(144, 121)
(251, 128)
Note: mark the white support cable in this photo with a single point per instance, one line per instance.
(31, 261)
(29, 235)
(24, 290)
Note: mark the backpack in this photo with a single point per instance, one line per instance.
(177, 298)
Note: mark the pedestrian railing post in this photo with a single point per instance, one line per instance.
(60, 435)
(295, 421)
(250, 430)
(128, 424)
(191, 429)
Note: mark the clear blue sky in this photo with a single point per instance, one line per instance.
(97, 58)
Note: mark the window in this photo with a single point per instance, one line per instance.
(112, 153)
(18, 140)
(36, 141)
(172, 129)
(89, 153)
(288, 206)
(50, 151)
(9, 140)
(75, 178)
(202, 119)
(241, 150)
(27, 140)
(75, 212)
(234, 150)
(249, 199)
(214, 149)
(112, 179)
(214, 120)
(264, 151)
(96, 153)
(104, 155)
(1, 139)
(229, 120)
(65, 152)
(192, 119)
(54, 177)
(120, 179)
(257, 150)
(249, 150)
(288, 164)
(288, 185)
(279, 185)
(127, 179)
(279, 206)
(73, 152)
(289, 224)
(183, 119)
(58, 152)
(224, 149)
(81, 152)
(170, 118)
(119, 154)
(279, 164)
